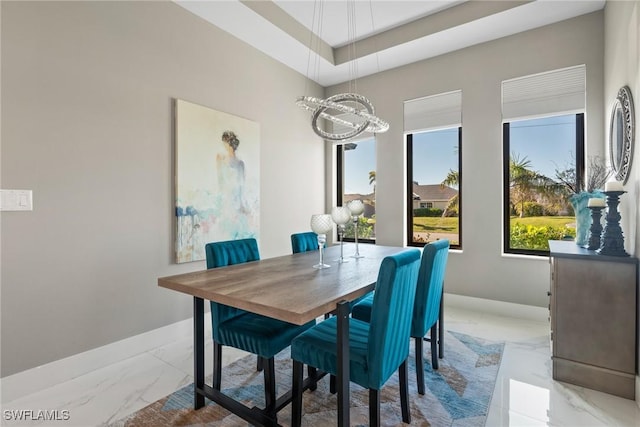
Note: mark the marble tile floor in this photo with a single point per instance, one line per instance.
(525, 394)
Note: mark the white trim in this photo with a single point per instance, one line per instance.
(32, 380)
(500, 308)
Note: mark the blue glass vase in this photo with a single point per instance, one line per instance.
(579, 203)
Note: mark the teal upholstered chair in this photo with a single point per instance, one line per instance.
(304, 242)
(377, 348)
(427, 306)
(247, 331)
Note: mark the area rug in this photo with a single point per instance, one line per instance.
(458, 393)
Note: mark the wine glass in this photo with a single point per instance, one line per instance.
(356, 208)
(341, 216)
(321, 224)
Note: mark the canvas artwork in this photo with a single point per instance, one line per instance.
(217, 179)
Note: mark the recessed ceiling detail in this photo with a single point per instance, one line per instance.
(389, 34)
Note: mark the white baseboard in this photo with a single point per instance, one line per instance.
(24, 383)
(499, 308)
(32, 380)
(638, 391)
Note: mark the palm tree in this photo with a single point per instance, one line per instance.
(372, 181)
(452, 180)
(521, 182)
(527, 185)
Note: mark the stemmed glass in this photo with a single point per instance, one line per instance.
(341, 216)
(356, 208)
(321, 224)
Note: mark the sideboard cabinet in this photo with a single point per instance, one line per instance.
(593, 303)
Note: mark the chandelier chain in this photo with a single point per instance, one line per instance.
(349, 111)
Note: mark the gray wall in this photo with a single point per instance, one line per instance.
(480, 269)
(87, 90)
(622, 67)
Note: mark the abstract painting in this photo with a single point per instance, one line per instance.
(217, 162)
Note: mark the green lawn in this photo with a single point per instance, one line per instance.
(450, 225)
(426, 224)
(550, 221)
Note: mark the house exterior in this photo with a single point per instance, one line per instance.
(432, 196)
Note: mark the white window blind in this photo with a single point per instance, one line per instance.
(553, 92)
(431, 112)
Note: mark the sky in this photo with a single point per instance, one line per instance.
(548, 144)
(358, 164)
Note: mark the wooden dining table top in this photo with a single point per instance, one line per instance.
(287, 287)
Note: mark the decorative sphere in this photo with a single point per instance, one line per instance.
(340, 215)
(356, 207)
(321, 223)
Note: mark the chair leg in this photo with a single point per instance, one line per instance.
(296, 395)
(332, 384)
(269, 385)
(259, 366)
(313, 375)
(434, 346)
(217, 365)
(374, 407)
(403, 373)
(419, 366)
(441, 327)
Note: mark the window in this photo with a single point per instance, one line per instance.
(433, 172)
(356, 165)
(543, 147)
(432, 126)
(537, 153)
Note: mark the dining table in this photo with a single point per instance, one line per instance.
(290, 289)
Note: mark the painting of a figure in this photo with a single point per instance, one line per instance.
(217, 179)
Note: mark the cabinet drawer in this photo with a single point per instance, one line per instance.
(594, 313)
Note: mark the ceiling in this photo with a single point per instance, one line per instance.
(334, 41)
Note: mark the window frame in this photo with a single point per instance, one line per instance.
(506, 157)
(409, 184)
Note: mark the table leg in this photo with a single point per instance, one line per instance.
(198, 353)
(343, 363)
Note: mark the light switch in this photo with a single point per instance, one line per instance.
(16, 200)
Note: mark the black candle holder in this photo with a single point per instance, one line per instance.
(612, 241)
(595, 232)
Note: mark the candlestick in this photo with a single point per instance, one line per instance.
(612, 241)
(321, 224)
(356, 207)
(613, 186)
(596, 202)
(595, 232)
(341, 216)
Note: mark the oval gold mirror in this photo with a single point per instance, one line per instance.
(621, 134)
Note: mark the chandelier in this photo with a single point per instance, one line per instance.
(350, 113)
